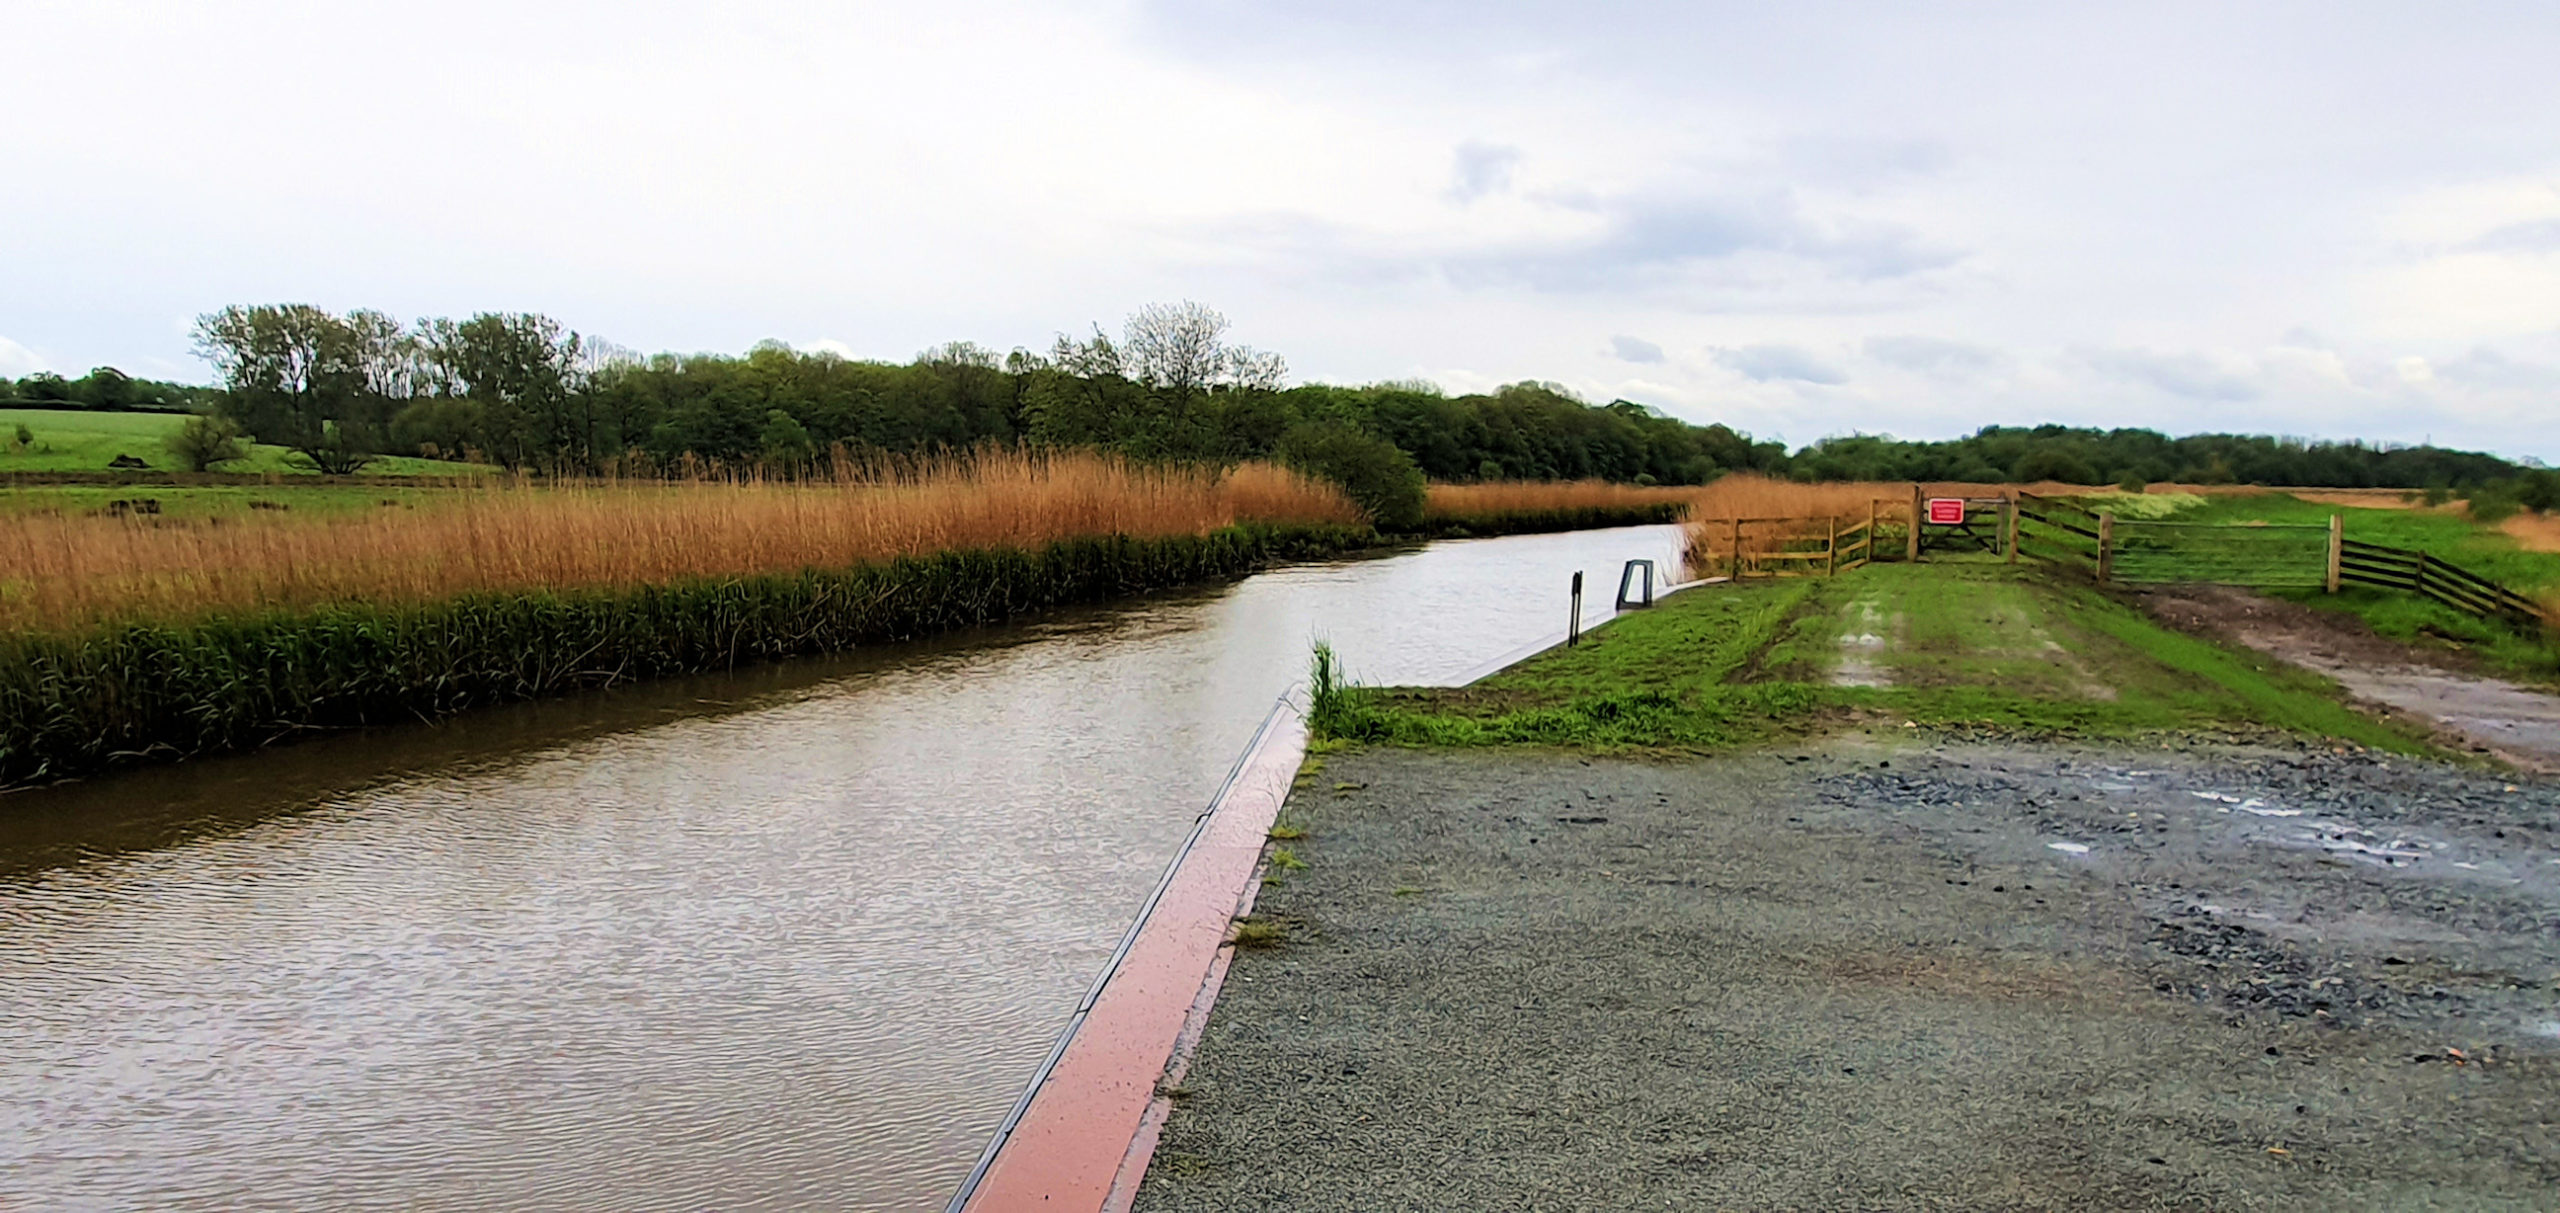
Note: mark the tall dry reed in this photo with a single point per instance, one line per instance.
(1468, 501)
(61, 573)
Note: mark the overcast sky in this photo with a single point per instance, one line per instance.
(2330, 220)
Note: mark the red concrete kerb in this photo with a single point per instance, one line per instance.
(1084, 1139)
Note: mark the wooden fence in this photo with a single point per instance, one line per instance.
(2426, 576)
(1785, 547)
(2270, 556)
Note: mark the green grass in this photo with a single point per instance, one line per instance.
(79, 441)
(2445, 534)
(1969, 644)
(2406, 617)
(301, 496)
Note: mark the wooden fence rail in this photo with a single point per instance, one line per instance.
(1786, 547)
(2064, 533)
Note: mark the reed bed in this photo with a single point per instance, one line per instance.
(74, 573)
(2533, 532)
(1531, 496)
(1513, 506)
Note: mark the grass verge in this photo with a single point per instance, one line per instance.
(1982, 646)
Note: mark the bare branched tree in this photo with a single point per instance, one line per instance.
(959, 353)
(1087, 359)
(1176, 346)
(1179, 347)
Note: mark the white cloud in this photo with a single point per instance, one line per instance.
(17, 361)
(2196, 375)
(1944, 217)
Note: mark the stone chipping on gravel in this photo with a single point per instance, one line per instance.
(1884, 973)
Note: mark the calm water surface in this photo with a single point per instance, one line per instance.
(790, 937)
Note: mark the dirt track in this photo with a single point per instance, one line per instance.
(1878, 974)
(2517, 723)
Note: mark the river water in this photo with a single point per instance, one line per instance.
(789, 937)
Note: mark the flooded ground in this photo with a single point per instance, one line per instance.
(789, 937)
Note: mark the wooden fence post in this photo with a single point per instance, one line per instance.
(1736, 570)
(1831, 566)
(2106, 545)
(2011, 509)
(1914, 553)
(1871, 527)
(2337, 548)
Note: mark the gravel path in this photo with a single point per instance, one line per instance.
(1878, 974)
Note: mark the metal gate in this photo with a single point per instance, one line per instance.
(2273, 556)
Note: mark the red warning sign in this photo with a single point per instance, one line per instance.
(1946, 511)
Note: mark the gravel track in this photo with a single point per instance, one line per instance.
(1879, 973)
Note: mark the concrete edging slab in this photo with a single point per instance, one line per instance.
(1080, 1138)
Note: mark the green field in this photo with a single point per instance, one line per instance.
(2447, 535)
(297, 496)
(78, 441)
(1954, 644)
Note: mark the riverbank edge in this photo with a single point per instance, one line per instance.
(1083, 1134)
(76, 705)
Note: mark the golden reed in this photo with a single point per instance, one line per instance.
(1466, 501)
(62, 573)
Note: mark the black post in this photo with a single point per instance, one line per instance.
(1573, 625)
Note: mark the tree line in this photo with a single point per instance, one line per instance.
(108, 390)
(526, 391)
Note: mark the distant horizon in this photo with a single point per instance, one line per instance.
(2521, 459)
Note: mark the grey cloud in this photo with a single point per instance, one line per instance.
(1933, 355)
(2485, 367)
(1634, 349)
(1483, 168)
(2178, 374)
(2534, 236)
(1769, 363)
(1651, 237)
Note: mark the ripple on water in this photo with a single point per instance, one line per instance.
(784, 938)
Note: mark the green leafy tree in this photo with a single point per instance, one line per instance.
(45, 387)
(785, 441)
(205, 441)
(301, 377)
(528, 375)
(1372, 471)
(106, 388)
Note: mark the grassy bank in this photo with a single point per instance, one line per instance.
(74, 440)
(1937, 645)
(79, 702)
